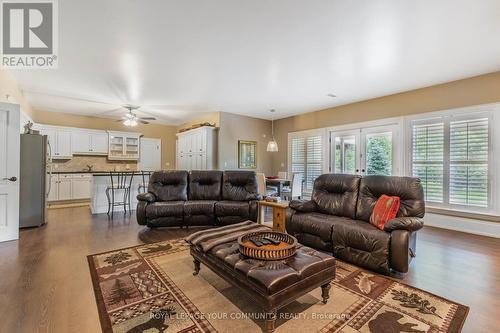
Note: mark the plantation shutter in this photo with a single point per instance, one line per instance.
(306, 157)
(314, 161)
(428, 159)
(469, 147)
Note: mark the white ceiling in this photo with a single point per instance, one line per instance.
(186, 57)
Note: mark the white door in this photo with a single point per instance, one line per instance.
(99, 143)
(345, 152)
(366, 151)
(9, 171)
(150, 154)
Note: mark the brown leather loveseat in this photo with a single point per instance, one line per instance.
(336, 219)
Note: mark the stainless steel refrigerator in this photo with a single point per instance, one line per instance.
(35, 171)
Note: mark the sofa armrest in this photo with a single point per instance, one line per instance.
(404, 223)
(304, 206)
(148, 197)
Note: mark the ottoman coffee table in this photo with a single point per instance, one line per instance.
(271, 284)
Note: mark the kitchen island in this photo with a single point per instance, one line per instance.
(101, 181)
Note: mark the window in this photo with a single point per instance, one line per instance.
(306, 156)
(450, 155)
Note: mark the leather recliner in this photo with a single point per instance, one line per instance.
(181, 198)
(336, 219)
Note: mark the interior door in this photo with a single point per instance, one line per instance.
(9, 171)
(379, 149)
(150, 154)
(345, 152)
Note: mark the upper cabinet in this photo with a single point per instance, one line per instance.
(90, 142)
(59, 140)
(123, 146)
(196, 149)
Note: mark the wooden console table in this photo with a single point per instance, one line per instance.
(279, 213)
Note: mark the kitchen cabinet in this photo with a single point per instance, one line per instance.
(53, 192)
(196, 149)
(70, 187)
(59, 140)
(123, 146)
(90, 142)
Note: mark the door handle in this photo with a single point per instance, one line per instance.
(11, 179)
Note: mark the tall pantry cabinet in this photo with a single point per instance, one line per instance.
(196, 149)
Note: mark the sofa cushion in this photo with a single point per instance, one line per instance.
(336, 194)
(232, 208)
(239, 185)
(408, 189)
(362, 244)
(165, 209)
(316, 224)
(205, 185)
(169, 185)
(199, 207)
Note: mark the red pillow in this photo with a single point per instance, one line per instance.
(385, 209)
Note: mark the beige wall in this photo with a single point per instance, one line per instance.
(9, 86)
(472, 91)
(163, 132)
(235, 127)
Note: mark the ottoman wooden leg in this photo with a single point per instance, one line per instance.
(270, 320)
(196, 267)
(325, 292)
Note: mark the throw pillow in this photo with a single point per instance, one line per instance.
(385, 209)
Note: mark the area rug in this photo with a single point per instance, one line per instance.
(151, 288)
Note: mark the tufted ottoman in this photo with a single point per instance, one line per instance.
(272, 284)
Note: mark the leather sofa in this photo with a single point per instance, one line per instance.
(336, 219)
(181, 198)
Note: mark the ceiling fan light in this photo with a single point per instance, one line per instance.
(133, 122)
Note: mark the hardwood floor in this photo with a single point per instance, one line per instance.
(45, 284)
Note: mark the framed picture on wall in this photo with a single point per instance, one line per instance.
(247, 154)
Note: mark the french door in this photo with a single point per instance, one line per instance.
(366, 151)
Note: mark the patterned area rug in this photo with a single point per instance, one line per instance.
(151, 288)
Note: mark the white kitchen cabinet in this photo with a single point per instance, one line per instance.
(59, 140)
(64, 188)
(75, 186)
(81, 186)
(99, 143)
(197, 149)
(90, 142)
(123, 146)
(53, 193)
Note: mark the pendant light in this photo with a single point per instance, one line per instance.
(272, 146)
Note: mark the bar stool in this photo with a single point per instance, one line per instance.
(120, 181)
(143, 187)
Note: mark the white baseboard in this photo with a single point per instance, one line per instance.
(472, 226)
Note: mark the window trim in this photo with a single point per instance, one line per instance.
(459, 114)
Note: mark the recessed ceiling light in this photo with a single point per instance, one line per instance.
(331, 95)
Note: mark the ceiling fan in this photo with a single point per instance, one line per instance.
(130, 118)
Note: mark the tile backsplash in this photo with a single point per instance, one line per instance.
(99, 163)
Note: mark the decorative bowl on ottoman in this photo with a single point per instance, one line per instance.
(267, 245)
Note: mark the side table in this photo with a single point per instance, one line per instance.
(279, 213)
